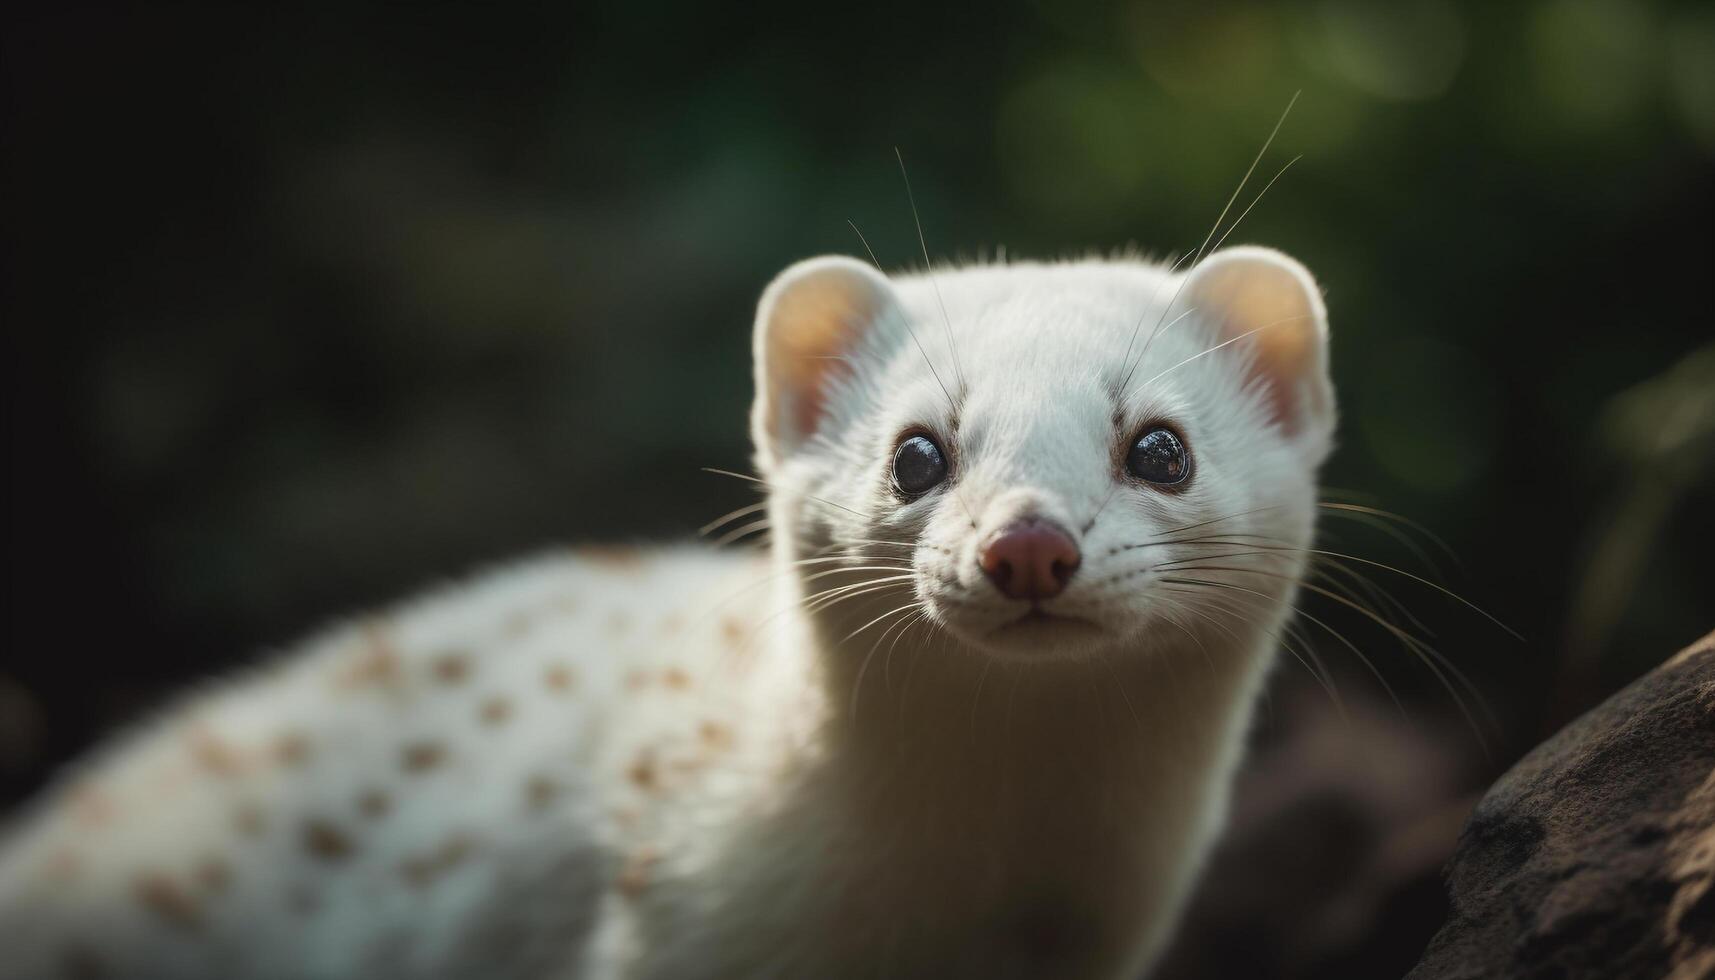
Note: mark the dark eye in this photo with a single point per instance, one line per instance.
(1159, 457)
(918, 465)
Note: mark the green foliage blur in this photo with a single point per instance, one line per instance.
(308, 310)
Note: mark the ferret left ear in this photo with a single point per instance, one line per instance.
(1266, 307)
(810, 322)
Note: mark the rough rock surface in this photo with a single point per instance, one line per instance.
(1595, 855)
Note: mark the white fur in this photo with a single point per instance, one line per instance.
(896, 783)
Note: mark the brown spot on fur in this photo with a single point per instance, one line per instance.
(644, 774)
(452, 668)
(714, 734)
(292, 749)
(214, 755)
(559, 678)
(249, 820)
(732, 631)
(634, 875)
(676, 679)
(79, 962)
(214, 875)
(168, 902)
(424, 869)
(540, 791)
(422, 756)
(496, 711)
(374, 804)
(376, 663)
(91, 806)
(326, 841)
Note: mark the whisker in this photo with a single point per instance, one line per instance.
(1449, 593)
(1144, 313)
(976, 698)
(1315, 668)
(764, 483)
(951, 404)
(1224, 343)
(880, 541)
(929, 269)
(1136, 720)
(1431, 658)
(946, 321)
(863, 668)
(840, 593)
(826, 559)
(1351, 509)
(740, 532)
(731, 515)
(1259, 196)
(1394, 533)
(901, 572)
(1336, 634)
(1204, 247)
(1170, 618)
(903, 624)
(1225, 517)
(1373, 590)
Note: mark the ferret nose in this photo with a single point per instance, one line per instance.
(1030, 559)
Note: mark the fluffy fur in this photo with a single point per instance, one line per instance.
(852, 759)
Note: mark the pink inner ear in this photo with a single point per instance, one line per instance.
(1282, 352)
(807, 359)
(1271, 313)
(1286, 355)
(812, 391)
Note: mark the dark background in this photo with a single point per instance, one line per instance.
(305, 311)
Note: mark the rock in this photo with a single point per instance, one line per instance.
(1595, 855)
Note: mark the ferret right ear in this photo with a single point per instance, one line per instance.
(1269, 308)
(811, 319)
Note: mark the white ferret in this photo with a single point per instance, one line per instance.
(1036, 530)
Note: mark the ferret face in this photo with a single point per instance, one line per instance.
(1069, 461)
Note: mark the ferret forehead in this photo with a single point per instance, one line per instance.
(1061, 320)
(1094, 289)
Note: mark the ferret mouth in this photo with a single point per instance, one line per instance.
(1038, 618)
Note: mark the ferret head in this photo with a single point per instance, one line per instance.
(1044, 461)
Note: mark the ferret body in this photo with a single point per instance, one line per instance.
(975, 714)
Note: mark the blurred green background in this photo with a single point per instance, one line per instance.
(307, 310)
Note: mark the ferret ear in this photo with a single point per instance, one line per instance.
(1266, 306)
(811, 320)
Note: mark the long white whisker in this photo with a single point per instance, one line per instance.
(863, 668)
(1203, 248)
(951, 404)
(1230, 340)
(758, 480)
(731, 515)
(929, 268)
(741, 532)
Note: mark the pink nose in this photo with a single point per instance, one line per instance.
(1031, 559)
